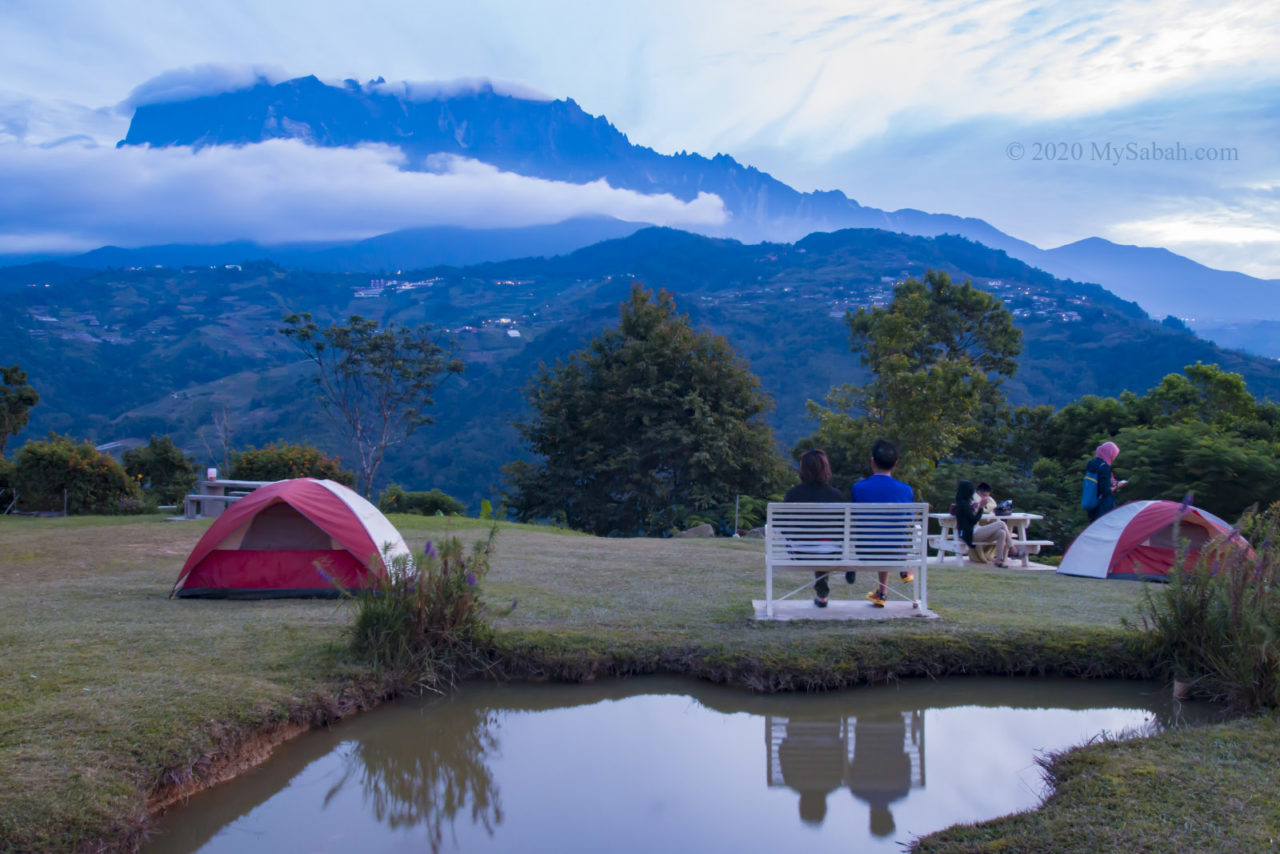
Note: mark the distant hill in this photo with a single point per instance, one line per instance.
(126, 353)
(413, 247)
(1164, 282)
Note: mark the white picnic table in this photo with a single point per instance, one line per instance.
(214, 496)
(948, 542)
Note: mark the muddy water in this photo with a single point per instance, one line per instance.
(660, 765)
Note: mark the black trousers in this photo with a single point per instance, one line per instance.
(820, 587)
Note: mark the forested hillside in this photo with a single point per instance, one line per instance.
(194, 352)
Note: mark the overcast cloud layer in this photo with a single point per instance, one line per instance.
(79, 197)
(909, 105)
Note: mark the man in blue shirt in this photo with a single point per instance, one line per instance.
(883, 488)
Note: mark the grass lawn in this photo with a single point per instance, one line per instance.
(109, 691)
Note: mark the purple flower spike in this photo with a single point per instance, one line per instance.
(430, 550)
(471, 579)
(1186, 502)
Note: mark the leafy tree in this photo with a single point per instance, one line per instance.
(1079, 427)
(375, 382)
(284, 461)
(163, 469)
(938, 354)
(650, 422)
(60, 471)
(1202, 393)
(1225, 473)
(1198, 432)
(17, 397)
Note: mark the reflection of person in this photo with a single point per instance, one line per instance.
(1100, 468)
(811, 758)
(968, 524)
(815, 486)
(883, 488)
(881, 769)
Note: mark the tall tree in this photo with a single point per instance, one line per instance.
(937, 354)
(375, 382)
(17, 397)
(650, 422)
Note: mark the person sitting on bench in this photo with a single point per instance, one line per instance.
(815, 487)
(882, 488)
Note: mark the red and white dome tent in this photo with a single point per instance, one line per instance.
(1136, 540)
(273, 542)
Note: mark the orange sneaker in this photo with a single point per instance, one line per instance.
(876, 597)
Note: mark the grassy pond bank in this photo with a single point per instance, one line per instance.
(115, 700)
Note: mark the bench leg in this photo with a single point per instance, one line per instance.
(768, 592)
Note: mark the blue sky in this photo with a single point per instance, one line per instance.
(899, 105)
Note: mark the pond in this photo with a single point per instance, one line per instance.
(658, 763)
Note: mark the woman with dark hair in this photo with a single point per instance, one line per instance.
(815, 487)
(968, 513)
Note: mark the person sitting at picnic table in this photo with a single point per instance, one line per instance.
(815, 487)
(988, 504)
(968, 513)
(882, 488)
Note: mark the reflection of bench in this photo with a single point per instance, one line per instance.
(815, 537)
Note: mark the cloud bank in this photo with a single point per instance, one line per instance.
(198, 81)
(74, 198)
(411, 90)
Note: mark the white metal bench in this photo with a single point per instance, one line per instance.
(815, 537)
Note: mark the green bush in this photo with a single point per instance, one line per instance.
(751, 514)
(166, 474)
(425, 624)
(93, 482)
(1216, 623)
(431, 503)
(283, 461)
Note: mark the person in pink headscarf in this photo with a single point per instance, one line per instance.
(1100, 468)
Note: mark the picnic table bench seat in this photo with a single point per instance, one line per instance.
(836, 536)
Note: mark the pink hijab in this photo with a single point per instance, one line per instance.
(1108, 451)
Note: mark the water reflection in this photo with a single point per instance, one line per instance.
(657, 764)
(427, 776)
(879, 764)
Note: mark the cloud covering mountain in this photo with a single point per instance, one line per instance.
(78, 197)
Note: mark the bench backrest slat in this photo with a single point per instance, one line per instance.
(845, 534)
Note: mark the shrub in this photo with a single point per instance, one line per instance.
(751, 514)
(282, 461)
(1216, 623)
(93, 481)
(165, 472)
(425, 623)
(129, 505)
(431, 503)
